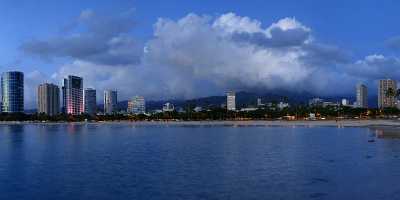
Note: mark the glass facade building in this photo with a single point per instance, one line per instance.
(64, 96)
(110, 101)
(73, 95)
(12, 90)
(90, 101)
(362, 96)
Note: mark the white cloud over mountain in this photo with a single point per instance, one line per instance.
(203, 55)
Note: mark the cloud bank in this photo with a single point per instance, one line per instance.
(201, 55)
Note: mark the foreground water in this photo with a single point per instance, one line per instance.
(123, 161)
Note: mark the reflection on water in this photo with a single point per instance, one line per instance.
(387, 133)
(15, 128)
(15, 134)
(74, 128)
(123, 161)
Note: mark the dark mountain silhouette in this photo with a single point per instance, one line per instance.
(243, 99)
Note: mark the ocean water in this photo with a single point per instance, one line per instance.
(124, 161)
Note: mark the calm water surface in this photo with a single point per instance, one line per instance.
(123, 161)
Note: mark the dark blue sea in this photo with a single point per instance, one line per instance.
(126, 161)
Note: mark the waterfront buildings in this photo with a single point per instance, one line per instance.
(75, 101)
(198, 109)
(315, 102)
(231, 101)
(168, 107)
(318, 102)
(345, 102)
(282, 105)
(329, 104)
(73, 95)
(90, 105)
(248, 109)
(12, 90)
(110, 101)
(385, 100)
(137, 105)
(64, 96)
(259, 102)
(48, 99)
(361, 96)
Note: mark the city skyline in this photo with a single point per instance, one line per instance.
(257, 47)
(210, 99)
(75, 100)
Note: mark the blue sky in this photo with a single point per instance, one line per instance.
(355, 28)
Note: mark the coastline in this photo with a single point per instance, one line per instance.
(300, 123)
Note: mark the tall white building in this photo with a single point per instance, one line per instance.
(345, 102)
(48, 99)
(137, 105)
(259, 102)
(231, 101)
(362, 96)
(385, 101)
(110, 101)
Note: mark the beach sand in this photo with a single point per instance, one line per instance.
(341, 123)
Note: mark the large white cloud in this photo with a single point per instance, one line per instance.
(376, 66)
(202, 55)
(197, 56)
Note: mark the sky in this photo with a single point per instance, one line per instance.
(186, 49)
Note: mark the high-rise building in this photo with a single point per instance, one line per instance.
(12, 90)
(137, 105)
(362, 96)
(89, 98)
(48, 99)
(110, 101)
(384, 99)
(73, 95)
(64, 96)
(345, 102)
(231, 101)
(259, 102)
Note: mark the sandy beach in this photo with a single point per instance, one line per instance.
(342, 123)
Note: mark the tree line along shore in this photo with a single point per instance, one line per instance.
(219, 114)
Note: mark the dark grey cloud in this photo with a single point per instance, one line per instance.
(94, 38)
(375, 67)
(325, 55)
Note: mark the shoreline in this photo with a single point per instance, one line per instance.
(318, 123)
